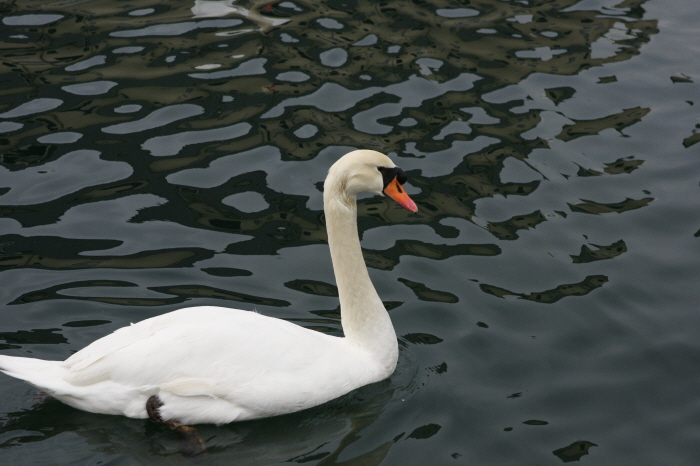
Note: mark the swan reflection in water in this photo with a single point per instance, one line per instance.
(215, 9)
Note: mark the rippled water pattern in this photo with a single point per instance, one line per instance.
(156, 155)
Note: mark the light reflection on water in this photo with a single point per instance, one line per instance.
(163, 155)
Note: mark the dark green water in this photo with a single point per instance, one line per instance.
(157, 155)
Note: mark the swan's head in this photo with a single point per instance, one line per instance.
(368, 171)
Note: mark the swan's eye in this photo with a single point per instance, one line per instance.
(389, 174)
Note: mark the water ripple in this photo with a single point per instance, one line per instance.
(156, 119)
(154, 156)
(76, 170)
(172, 144)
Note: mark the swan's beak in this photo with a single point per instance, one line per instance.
(396, 192)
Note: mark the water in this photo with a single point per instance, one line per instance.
(159, 155)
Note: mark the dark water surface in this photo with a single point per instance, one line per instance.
(157, 155)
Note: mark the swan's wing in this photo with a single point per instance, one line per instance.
(191, 348)
(115, 341)
(139, 332)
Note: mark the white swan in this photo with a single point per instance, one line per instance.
(217, 365)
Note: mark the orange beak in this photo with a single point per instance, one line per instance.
(396, 192)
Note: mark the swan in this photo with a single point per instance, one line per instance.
(215, 365)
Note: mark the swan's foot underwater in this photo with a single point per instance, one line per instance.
(192, 444)
(42, 397)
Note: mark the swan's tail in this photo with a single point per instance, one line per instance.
(105, 397)
(44, 375)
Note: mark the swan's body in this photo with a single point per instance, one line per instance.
(218, 365)
(207, 365)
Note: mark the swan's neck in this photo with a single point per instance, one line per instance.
(364, 318)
